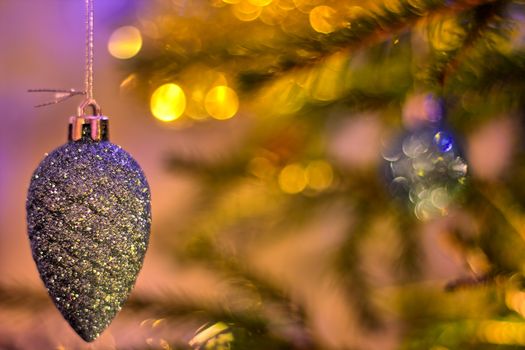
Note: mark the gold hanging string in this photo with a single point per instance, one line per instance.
(88, 81)
(61, 95)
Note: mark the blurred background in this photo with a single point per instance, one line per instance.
(325, 174)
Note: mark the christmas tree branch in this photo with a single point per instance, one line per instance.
(15, 296)
(271, 60)
(19, 297)
(364, 31)
(250, 328)
(482, 22)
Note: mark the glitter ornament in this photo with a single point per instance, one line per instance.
(425, 165)
(88, 215)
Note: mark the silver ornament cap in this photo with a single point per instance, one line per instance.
(88, 216)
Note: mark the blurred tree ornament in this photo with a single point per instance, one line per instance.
(89, 217)
(425, 165)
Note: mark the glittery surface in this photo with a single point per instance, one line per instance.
(88, 214)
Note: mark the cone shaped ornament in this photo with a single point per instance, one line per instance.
(88, 215)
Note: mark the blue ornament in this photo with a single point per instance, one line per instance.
(426, 167)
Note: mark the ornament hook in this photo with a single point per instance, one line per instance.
(90, 102)
(93, 124)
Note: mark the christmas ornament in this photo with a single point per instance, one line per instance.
(425, 166)
(88, 215)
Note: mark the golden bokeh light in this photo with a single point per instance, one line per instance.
(168, 102)
(285, 5)
(246, 11)
(323, 19)
(221, 102)
(502, 332)
(125, 42)
(260, 3)
(262, 168)
(293, 178)
(195, 105)
(273, 14)
(305, 6)
(198, 81)
(320, 175)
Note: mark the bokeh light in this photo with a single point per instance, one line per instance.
(444, 141)
(305, 6)
(320, 175)
(502, 332)
(293, 178)
(168, 102)
(125, 42)
(198, 81)
(285, 5)
(221, 102)
(262, 168)
(246, 11)
(323, 19)
(273, 14)
(260, 2)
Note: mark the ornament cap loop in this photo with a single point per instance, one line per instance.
(90, 102)
(95, 128)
